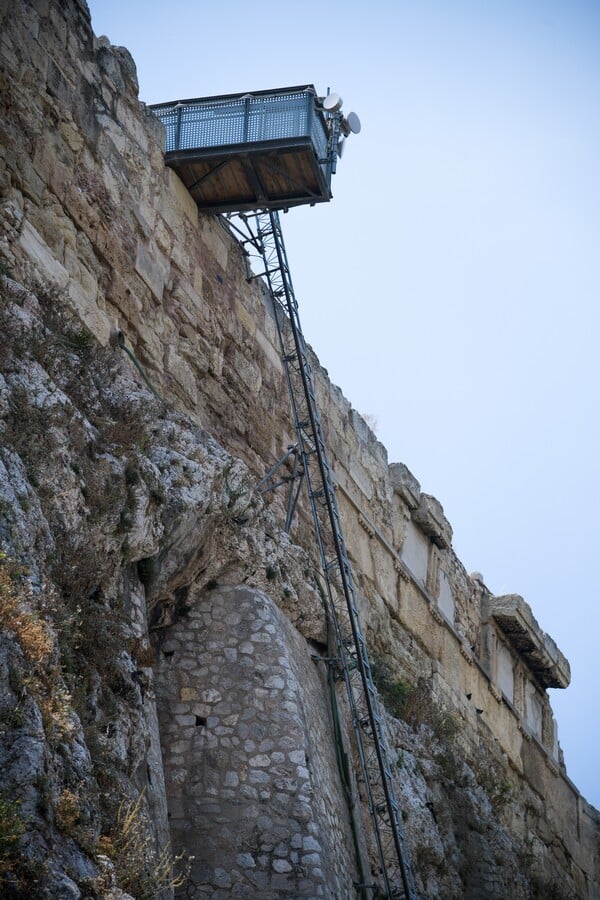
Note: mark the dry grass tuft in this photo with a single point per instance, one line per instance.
(68, 811)
(32, 633)
(139, 869)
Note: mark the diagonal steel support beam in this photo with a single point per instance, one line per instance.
(294, 480)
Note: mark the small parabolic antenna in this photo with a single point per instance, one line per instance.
(350, 124)
(353, 122)
(332, 102)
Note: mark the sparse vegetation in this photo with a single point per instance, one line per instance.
(92, 635)
(20, 875)
(16, 615)
(493, 778)
(68, 811)
(27, 427)
(12, 827)
(141, 653)
(394, 692)
(140, 870)
(39, 645)
(79, 341)
(445, 725)
(415, 705)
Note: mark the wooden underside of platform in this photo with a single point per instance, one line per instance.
(273, 175)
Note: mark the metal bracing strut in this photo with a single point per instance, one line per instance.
(261, 231)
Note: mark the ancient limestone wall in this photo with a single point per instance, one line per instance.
(87, 204)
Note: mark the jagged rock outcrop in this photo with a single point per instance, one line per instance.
(111, 508)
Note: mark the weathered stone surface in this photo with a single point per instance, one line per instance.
(515, 618)
(405, 483)
(184, 514)
(153, 267)
(429, 516)
(215, 776)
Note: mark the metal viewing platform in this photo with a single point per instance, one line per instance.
(267, 150)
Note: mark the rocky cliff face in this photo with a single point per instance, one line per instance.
(113, 509)
(167, 721)
(118, 512)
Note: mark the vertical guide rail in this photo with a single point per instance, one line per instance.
(263, 233)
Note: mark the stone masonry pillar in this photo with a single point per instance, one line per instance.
(252, 781)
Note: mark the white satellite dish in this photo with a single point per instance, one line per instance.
(332, 102)
(353, 122)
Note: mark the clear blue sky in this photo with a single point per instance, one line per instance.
(451, 288)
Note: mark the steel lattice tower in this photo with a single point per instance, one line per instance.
(261, 236)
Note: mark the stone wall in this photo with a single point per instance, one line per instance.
(87, 204)
(250, 753)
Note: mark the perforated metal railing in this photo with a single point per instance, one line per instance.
(243, 119)
(392, 876)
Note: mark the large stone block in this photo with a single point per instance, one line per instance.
(405, 484)
(516, 620)
(153, 266)
(429, 516)
(39, 253)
